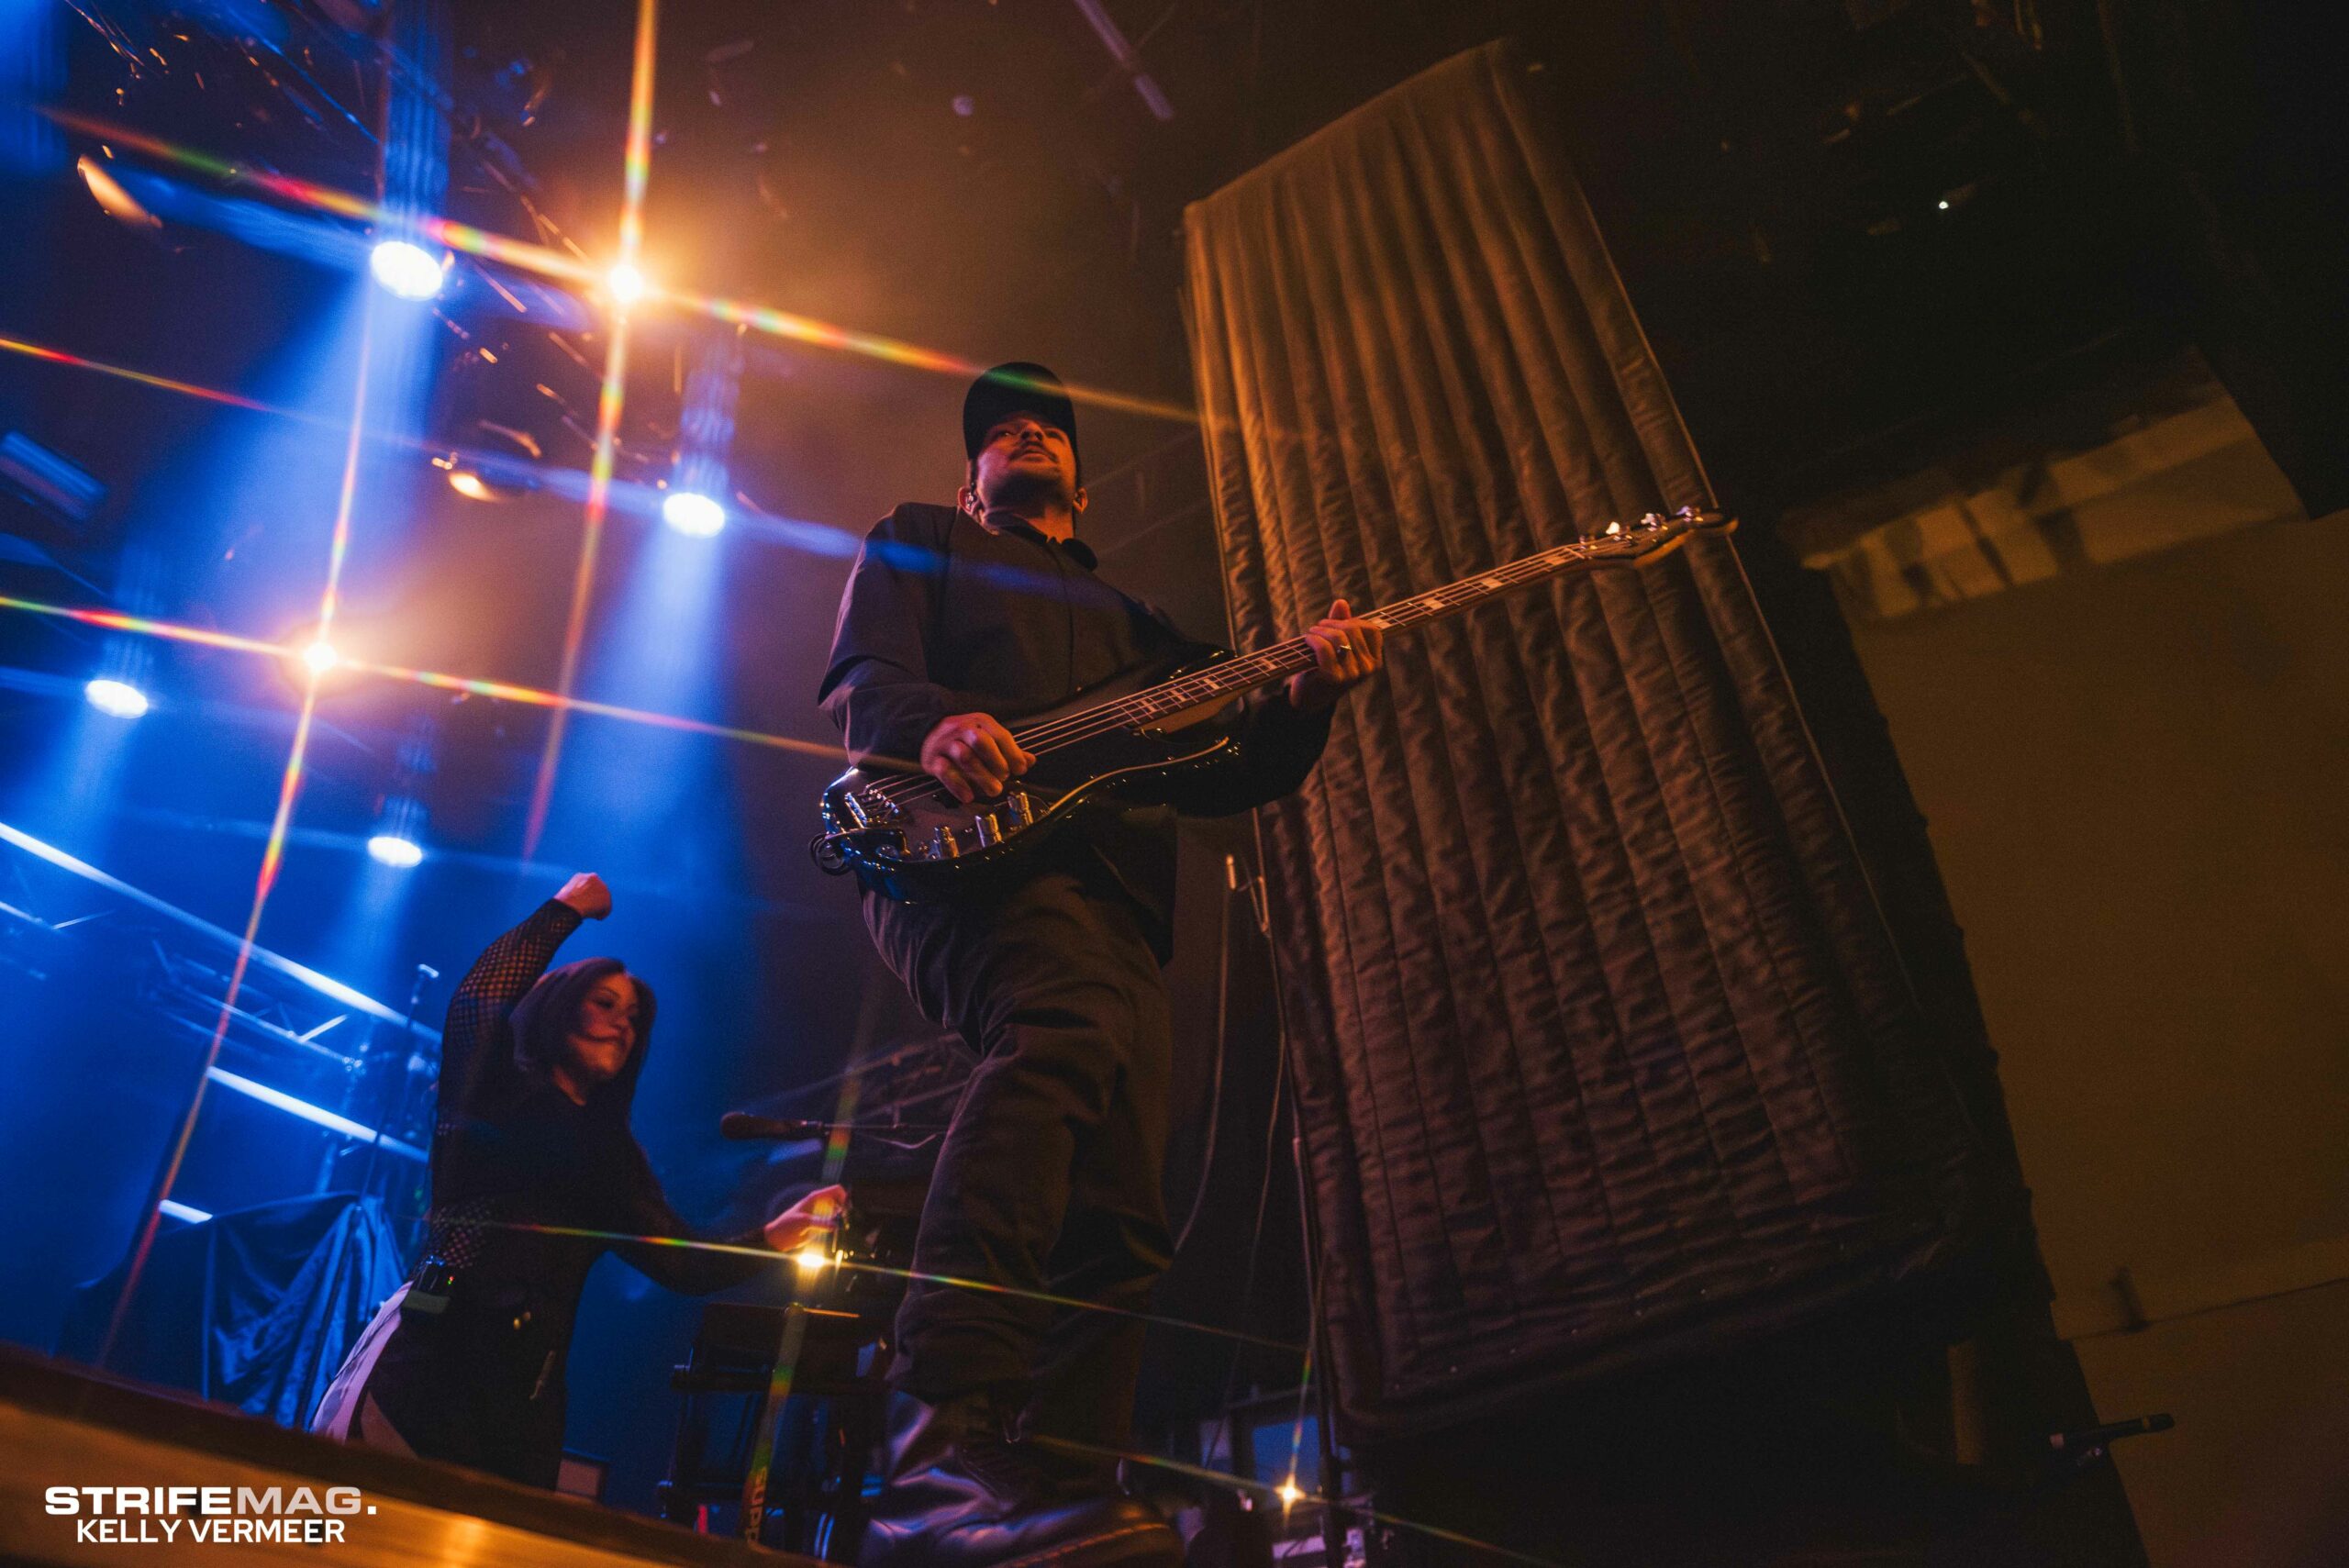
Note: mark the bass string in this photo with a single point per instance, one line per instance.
(1256, 669)
(1278, 659)
(1266, 664)
(1122, 711)
(1284, 657)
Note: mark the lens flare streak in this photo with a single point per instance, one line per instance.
(794, 1327)
(635, 172)
(1264, 1489)
(273, 858)
(461, 237)
(527, 257)
(184, 388)
(500, 691)
(561, 704)
(854, 1265)
(115, 620)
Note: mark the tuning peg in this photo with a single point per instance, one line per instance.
(1612, 531)
(1651, 520)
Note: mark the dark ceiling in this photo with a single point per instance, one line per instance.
(1848, 226)
(983, 178)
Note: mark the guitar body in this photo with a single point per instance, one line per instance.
(1138, 738)
(908, 838)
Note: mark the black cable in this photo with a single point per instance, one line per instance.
(1256, 1254)
(1222, 1050)
(1265, 1187)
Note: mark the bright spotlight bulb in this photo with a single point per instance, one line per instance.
(690, 512)
(320, 656)
(624, 284)
(811, 1258)
(1289, 1494)
(391, 850)
(406, 268)
(469, 485)
(118, 698)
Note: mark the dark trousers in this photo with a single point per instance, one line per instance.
(1048, 1179)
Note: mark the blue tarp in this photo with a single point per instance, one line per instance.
(253, 1309)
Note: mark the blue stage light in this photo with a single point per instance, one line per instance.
(406, 268)
(317, 1115)
(690, 512)
(119, 698)
(391, 850)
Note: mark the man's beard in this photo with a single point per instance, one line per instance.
(1016, 488)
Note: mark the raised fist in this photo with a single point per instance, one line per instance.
(586, 894)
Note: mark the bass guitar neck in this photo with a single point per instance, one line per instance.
(904, 834)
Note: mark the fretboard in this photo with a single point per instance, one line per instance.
(1282, 659)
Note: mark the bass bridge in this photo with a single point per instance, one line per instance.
(939, 827)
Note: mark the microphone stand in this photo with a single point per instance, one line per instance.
(390, 1106)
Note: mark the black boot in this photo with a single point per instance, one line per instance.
(961, 1494)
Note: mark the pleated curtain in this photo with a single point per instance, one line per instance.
(1602, 1050)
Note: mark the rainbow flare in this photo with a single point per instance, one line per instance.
(184, 388)
(501, 691)
(549, 263)
(289, 791)
(635, 172)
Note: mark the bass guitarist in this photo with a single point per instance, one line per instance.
(1048, 1178)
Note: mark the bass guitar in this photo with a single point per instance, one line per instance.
(1137, 738)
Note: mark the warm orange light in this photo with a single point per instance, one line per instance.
(121, 205)
(625, 284)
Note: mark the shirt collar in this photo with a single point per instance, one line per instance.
(1076, 549)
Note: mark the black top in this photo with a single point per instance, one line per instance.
(512, 1148)
(944, 615)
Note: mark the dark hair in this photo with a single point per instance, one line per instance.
(543, 1018)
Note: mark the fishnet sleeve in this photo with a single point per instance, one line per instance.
(477, 1046)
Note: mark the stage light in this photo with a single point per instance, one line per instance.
(406, 268)
(118, 698)
(811, 1258)
(320, 656)
(1945, 204)
(489, 475)
(119, 204)
(317, 1116)
(391, 850)
(625, 284)
(690, 512)
(1289, 1494)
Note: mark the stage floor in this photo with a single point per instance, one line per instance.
(63, 1426)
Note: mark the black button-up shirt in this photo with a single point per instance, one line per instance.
(944, 615)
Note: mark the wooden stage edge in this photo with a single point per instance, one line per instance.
(63, 1425)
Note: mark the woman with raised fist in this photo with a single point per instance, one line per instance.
(531, 1145)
